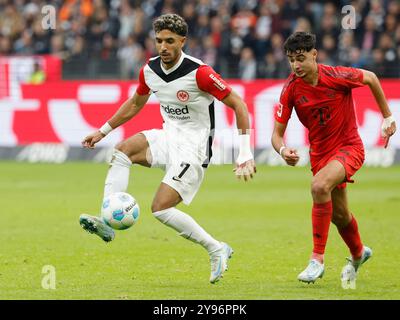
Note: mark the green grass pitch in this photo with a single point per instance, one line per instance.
(266, 221)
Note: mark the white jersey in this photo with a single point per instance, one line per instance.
(186, 93)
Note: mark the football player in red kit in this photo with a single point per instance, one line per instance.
(322, 98)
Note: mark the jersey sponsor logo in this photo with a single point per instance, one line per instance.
(217, 82)
(182, 95)
(175, 111)
(323, 114)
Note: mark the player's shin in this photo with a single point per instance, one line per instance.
(118, 174)
(321, 219)
(188, 228)
(351, 237)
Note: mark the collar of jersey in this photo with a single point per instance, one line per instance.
(175, 66)
(319, 77)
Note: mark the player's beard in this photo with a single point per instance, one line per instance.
(166, 58)
(170, 59)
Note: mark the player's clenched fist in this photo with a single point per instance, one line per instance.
(290, 156)
(92, 139)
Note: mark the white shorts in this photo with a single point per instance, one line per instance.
(184, 171)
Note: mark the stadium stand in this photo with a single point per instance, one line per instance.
(241, 39)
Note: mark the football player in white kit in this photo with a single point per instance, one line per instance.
(186, 88)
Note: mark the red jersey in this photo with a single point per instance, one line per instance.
(326, 110)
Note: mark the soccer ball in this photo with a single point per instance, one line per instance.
(120, 210)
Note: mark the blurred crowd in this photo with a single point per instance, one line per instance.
(239, 38)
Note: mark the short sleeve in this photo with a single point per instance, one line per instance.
(211, 82)
(285, 108)
(349, 77)
(142, 89)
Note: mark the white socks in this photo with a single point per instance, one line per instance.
(118, 174)
(187, 228)
(117, 181)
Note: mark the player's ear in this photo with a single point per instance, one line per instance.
(314, 53)
(183, 41)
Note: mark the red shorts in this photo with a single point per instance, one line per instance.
(351, 157)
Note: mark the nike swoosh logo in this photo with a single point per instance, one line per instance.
(176, 179)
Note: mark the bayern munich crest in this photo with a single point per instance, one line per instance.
(182, 95)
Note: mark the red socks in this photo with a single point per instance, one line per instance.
(321, 219)
(351, 237)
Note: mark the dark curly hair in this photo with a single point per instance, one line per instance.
(299, 41)
(171, 22)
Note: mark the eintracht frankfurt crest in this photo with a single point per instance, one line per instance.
(182, 95)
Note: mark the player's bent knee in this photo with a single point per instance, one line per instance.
(122, 147)
(136, 148)
(319, 188)
(120, 158)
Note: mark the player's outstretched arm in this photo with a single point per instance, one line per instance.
(389, 123)
(127, 111)
(245, 165)
(288, 154)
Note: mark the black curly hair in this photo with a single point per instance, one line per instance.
(171, 22)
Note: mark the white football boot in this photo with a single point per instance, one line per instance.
(219, 262)
(97, 226)
(349, 271)
(314, 270)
